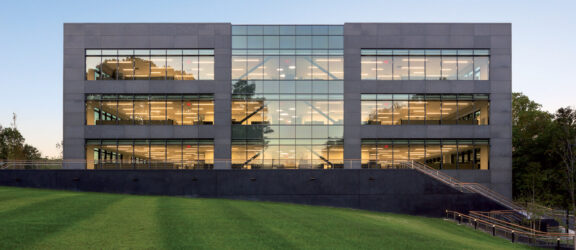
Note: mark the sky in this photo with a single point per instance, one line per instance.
(543, 42)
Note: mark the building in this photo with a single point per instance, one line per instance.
(223, 96)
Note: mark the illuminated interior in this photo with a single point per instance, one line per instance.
(288, 67)
(287, 154)
(425, 64)
(149, 154)
(154, 64)
(287, 96)
(439, 154)
(430, 109)
(149, 110)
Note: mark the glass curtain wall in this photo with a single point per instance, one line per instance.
(149, 109)
(435, 64)
(287, 102)
(150, 64)
(149, 154)
(438, 154)
(430, 109)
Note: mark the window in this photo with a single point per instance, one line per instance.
(93, 67)
(149, 154)
(143, 65)
(287, 97)
(402, 64)
(369, 68)
(420, 109)
(149, 110)
(150, 64)
(417, 67)
(436, 153)
(481, 67)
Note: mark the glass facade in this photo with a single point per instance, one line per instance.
(436, 64)
(149, 109)
(287, 96)
(429, 109)
(150, 64)
(149, 154)
(439, 154)
(287, 103)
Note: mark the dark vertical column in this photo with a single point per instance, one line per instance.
(73, 96)
(352, 124)
(222, 96)
(501, 108)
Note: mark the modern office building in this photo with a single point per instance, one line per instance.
(352, 96)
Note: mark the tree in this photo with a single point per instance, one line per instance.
(13, 146)
(564, 147)
(533, 167)
(31, 153)
(60, 147)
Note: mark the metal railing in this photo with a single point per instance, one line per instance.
(486, 216)
(533, 238)
(464, 186)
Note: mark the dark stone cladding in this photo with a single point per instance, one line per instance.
(357, 36)
(396, 191)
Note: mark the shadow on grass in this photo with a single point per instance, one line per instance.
(24, 226)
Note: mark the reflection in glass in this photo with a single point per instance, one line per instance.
(149, 154)
(481, 67)
(449, 68)
(126, 67)
(402, 64)
(206, 68)
(465, 67)
(142, 65)
(433, 68)
(438, 154)
(384, 68)
(149, 109)
(174, 68)
(92, 70)
(141, 115)
(153, 64)
(369, 68)
(417, 67)
(401, 68)
(281, 156)
(432, 109)
(190, 68)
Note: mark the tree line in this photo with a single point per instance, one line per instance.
(544, 154)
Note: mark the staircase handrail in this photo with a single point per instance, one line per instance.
(481, 215)
(470, 187)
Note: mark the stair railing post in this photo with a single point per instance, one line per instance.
(512, 236)
(557, 243)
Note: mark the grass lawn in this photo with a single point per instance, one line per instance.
(35, 218)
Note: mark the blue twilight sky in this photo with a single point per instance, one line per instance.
(544, 35)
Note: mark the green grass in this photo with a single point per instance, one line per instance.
(47, 219)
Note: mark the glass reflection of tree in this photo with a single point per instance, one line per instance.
(331, 146)
(243, 90)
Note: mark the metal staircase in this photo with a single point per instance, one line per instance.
(464, 186)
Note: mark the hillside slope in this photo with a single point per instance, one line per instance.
(34, 218)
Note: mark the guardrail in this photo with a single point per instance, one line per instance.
(534, 238)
